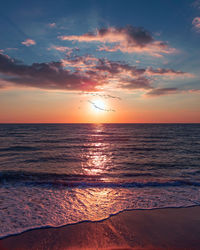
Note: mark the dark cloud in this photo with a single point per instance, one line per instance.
(166, 72)
(138, 83)
(134, 35)
(163, 91)
(118, 67)
(44, 75)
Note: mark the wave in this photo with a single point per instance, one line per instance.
(81, 184)
(85, 181)
(54, 159)
(41, 176)
(132, 149)
(19, 148)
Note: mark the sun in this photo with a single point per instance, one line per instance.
(98, 105)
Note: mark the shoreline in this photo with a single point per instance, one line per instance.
(90, 221)
(158, 228)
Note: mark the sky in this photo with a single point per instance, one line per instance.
(124, 61)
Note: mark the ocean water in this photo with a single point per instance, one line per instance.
(58, 174)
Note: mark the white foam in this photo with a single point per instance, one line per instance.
(24, 208)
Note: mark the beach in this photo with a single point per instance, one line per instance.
(103, 186)
(171, 228)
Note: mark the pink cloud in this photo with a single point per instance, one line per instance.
(125, 75)
(80, 62)
(66, 49)
(108, 48)
(52, 25)
(195, 91)
(60, 48)
(28, 42)
(83, 73)
(196, 23)
(128, 39)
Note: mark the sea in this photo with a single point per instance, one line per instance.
(57, 174)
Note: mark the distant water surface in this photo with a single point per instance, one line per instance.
(56, 174)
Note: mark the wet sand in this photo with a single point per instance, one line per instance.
(172, 228)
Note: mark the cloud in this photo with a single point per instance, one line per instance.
(109, 72)
(126, 76)
(128, 39)
(83, 73)
(59, 48)
(196, 4)
(163, 91)
(28, 42)
(66, 49)
(196, 23)
(52, 25)
(138, 83)
(195, 91)
(167, 72)
(118, 68)
(4, 85)
(168, 91)
(44, 75)
(80, 62)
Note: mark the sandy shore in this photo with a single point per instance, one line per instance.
(173, 228)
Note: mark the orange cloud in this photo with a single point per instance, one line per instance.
(28, 42)
(128, 39)
(59, 48)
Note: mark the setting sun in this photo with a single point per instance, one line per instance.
(98, 105)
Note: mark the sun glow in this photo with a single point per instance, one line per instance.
(98, 105)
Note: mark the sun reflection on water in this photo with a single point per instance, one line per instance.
(98, 160)
(99, 202)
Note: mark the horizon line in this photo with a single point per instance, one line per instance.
(4, 123)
